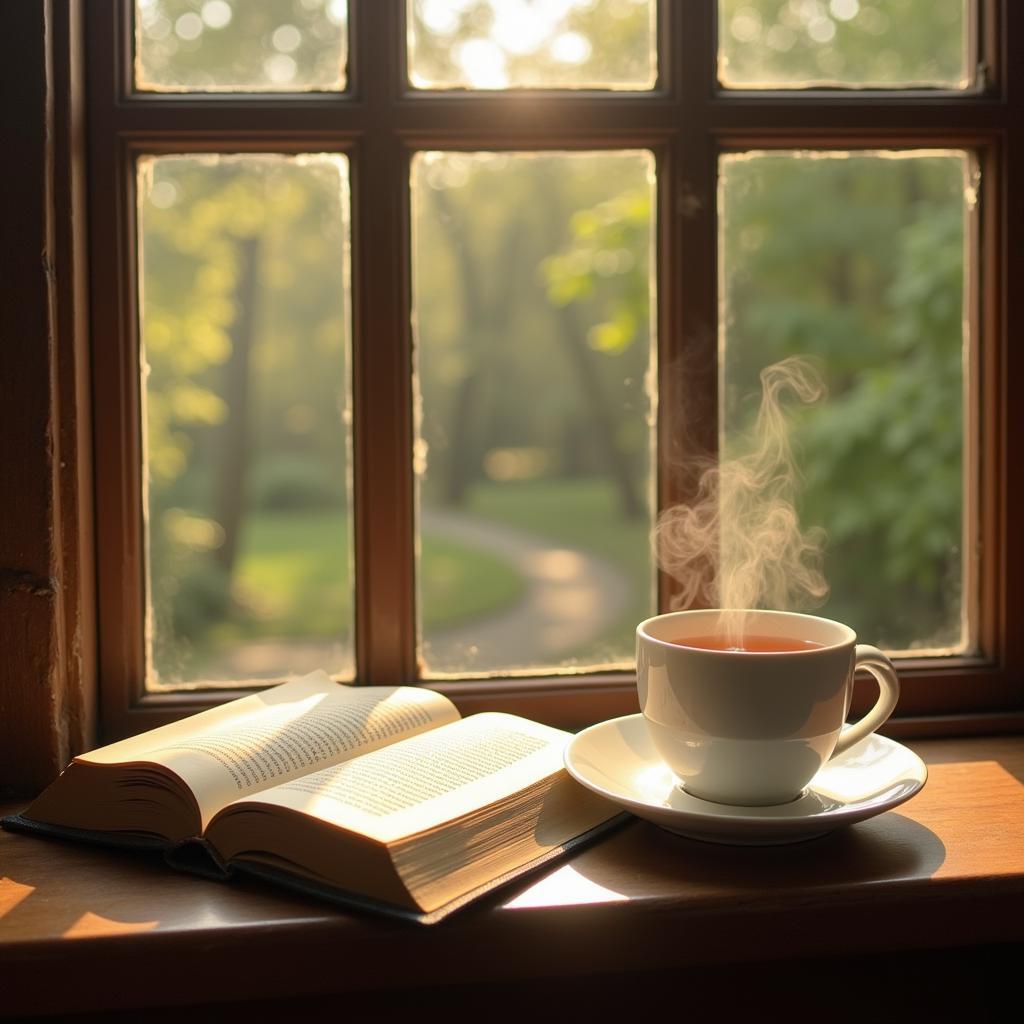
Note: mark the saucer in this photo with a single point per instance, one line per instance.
(617, 760)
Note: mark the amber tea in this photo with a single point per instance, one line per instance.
(748, 644)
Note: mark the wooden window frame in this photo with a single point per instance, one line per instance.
(686, 121)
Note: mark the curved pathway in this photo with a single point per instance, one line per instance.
(572, 598)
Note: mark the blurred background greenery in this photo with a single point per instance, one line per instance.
(851, 43)
(533, 289)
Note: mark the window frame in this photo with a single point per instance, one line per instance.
(686, 121)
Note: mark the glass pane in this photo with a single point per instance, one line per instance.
(856, 261)
(245, 351)
(240, 46)
(533, 289)
(532, 44)
(892, 44)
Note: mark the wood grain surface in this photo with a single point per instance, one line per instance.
(944, 870)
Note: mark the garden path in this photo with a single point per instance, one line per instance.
(572, 598)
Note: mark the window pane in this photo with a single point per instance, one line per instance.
(532, 289)
(846, 43)
(240, 46)
(858, 261)
(532, 44)
(245, 348)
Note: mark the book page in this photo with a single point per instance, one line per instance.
(279, 735)
(430, 779)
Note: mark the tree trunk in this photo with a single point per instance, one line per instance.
(602, 413)
(234, 458)
(483, 316)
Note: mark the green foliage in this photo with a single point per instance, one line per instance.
(844, 42)
(602, 255)
(294, 481)
(859, 262)
(242, 44)
(197, 214)
(190, 591)
(519, 259)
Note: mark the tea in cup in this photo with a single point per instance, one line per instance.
(751, 718)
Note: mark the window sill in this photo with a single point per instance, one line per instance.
(944, 870)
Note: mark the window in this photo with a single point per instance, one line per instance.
(722, 186)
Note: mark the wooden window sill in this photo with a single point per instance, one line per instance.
(91, 930)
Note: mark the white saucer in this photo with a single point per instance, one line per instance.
(617, 760)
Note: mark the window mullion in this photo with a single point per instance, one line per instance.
(1003, 488)
(120, 612)
(382, 364)
(688, 270)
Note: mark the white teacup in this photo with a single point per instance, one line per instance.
(754, 727)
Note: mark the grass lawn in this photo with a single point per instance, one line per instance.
(293, 579)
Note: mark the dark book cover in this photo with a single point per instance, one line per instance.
(196, 856)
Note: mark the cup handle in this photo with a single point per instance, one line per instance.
(872, 659)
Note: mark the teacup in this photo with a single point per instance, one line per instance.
(754, 727)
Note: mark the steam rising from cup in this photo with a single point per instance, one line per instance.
(737, 543)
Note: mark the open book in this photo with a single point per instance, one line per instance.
(379, 796)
